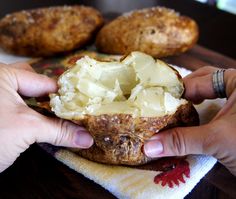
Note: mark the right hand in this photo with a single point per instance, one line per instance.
(217, 138)
(21, 126)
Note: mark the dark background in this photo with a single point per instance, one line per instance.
(217, 28)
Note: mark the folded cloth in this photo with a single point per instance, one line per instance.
(126, 182)
(163, 178)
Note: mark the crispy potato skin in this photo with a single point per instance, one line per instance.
(48, 31)
(119, 138)
(157, 31)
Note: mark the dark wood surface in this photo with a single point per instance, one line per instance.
(37, 175)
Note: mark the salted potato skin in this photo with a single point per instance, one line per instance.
(48, 31)
(157, 31)
(119, 138)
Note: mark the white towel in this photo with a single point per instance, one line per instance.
(126, 182)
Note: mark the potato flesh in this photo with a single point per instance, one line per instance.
(138, 85)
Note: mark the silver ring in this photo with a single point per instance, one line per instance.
(218, 83)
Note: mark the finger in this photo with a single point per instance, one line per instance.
(31, 84)
(64, 133)
(178, 142)
(199, 88)
(202, 72)
(54, 131)
(22, 66)
(199, 84)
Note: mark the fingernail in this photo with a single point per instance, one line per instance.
(83, 139)
(153, 148)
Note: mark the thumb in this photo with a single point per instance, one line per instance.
(62, 133)
(177, 142)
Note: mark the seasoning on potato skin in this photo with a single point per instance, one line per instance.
(48, 31)
(157, 31)
(127, 137)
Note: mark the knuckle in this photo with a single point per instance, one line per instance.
(4, 70)
(209, 68)
(178, 146)
(8, 75)
(63, 135)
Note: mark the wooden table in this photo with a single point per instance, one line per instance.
(37, 175)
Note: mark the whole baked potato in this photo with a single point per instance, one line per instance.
(157, 31)
(122, 104)
(48, 31)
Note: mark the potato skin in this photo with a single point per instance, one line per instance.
(48, 31)
(157, 31)
(119, 138)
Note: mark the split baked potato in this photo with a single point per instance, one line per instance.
(48, 31)
(157, 31)
(122, 104)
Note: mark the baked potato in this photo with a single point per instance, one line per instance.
(48, 31)
(157, 31)
(122, 104)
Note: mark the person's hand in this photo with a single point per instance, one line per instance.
(21, 126)
(217, 138)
